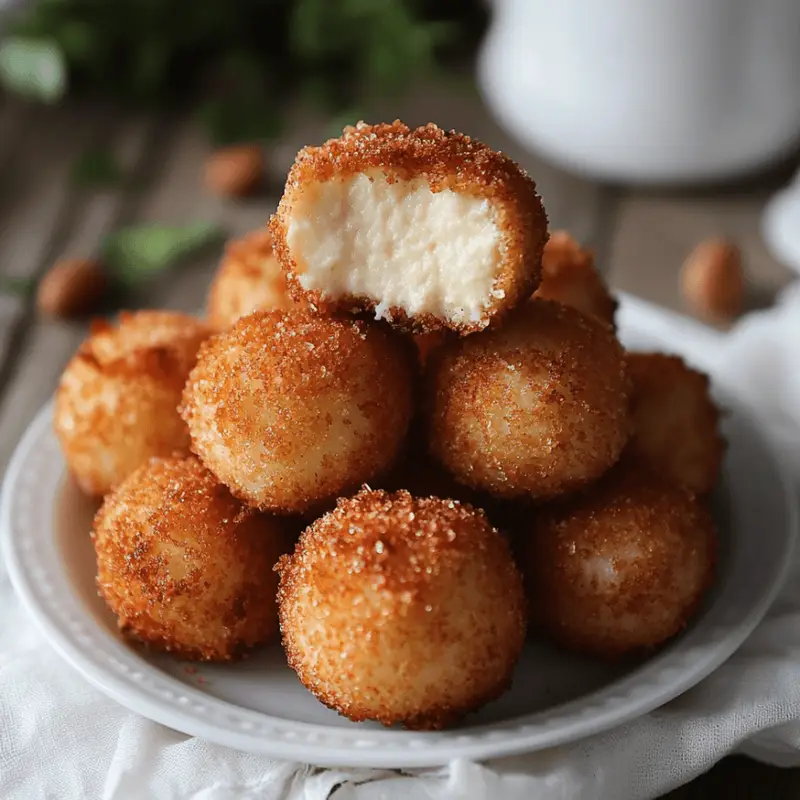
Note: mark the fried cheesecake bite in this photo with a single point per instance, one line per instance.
(249, 278)
(621, 567)
(675, 420)
(534, 409)
(427, 229)
(569, 275)
(117, 402)
(185, 566)
(291, 411)
(402, 610)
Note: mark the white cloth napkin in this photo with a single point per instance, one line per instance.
(60, 738)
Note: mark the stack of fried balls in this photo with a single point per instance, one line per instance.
(405, 367)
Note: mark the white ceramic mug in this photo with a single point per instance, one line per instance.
(647, 90)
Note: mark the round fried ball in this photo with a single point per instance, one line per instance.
(402, 610)
(621, 567)
(116, 405)
(290, 410)
(534, 409)
(184, 566)
(675, 421)
(425, 228)
(249, 278)
(569, 275)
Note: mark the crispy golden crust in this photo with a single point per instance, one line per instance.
(116, 403)
(291, 410)
(249, 278)
(446, 160)
(534, 409)
(402, 610)
(621, 567)
(184, 566)
(569, 275)
(675, 421)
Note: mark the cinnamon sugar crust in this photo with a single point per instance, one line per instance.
(117, 400)
(402, 610)
(435, 161)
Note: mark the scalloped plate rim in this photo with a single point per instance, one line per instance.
(77, 642)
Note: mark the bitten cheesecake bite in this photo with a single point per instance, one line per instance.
(621, 567)
(117, 402)
(402, 610)
(249, 278)
(290, 410)
(569, 276)
(675, 420)
(184, 566)
(534, 409)
(427, 229)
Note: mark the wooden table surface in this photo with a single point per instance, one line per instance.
(641, 238)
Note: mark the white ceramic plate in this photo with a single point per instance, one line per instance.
(259, 705)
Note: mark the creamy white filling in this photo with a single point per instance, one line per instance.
(399, 244)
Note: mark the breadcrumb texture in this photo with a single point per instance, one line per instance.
(184, 566)
(675, 420)
(116, 404)
(534, 409)
(569, 275)
(402, 610)
(443, 162)
(291, 411)
(620, 568)
(249, 278)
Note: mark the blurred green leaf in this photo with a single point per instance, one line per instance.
(319, 93)
(152, 64)
(308, 33)
(251, 55)
(232, 122)
(19, 286)
(243, 73)
(77, 41)
(349, 116)
(96, 169)
(33, 68)
(138, 253)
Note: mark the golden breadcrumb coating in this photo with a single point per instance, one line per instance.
(116, 404)
(621, 567)
(675, 421)
(570, 276)
(249, 278)
(402, 610)
(443, 162)
(290, 410)
(184, 566)
(534, 409)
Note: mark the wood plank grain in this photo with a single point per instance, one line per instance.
(36, 202)
(178, 197)
(13, 120)
(44, 348)
(655, 233)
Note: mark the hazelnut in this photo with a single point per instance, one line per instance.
(234, 171)
(71, 288)
(712, 280)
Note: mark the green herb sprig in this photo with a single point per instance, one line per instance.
(244, 58)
